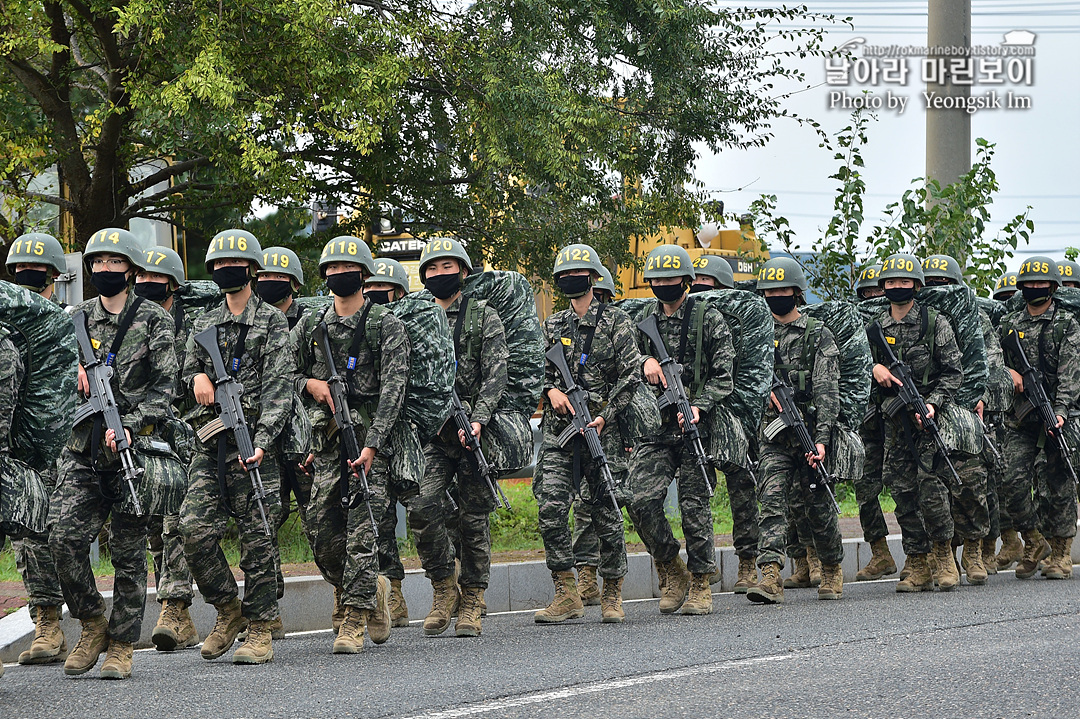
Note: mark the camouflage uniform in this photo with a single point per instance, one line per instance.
(343, 541)
(143, 384)
(1051, 342)
(586, 543)
(11, 379)
(480, 382)
(611, 373)
(656, 460)
(264, 371)
(868, 489)
(921, 489)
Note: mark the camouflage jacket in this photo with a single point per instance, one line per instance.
(999, 387)
(1051, 342)
(818, 394)
(11, 378)
(943, 371)
(376, 385)
(266, 365)
(610, 373)
(145, 368)
(716, 363)
(481, 361)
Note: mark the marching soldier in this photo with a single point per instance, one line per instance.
(279, 281)
(1070, 273)
(11, 381)
(712, 272)
(1005, 287)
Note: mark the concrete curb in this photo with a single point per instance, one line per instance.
(309, 601)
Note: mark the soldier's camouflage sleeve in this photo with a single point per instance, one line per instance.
(493, 357)
(949, 363)
(629, 361)
(1068, 374)
(11, 375)
(278, 368)
(720, 356)
(300, 341)
(826, 383)
(395, 355)
(156, 331)
(995, 362)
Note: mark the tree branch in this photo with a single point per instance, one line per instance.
(166, 173)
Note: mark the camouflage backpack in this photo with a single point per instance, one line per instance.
(994, 309)
(195, 297)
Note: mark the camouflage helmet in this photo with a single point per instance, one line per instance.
(606, 283)
(901, 266)
(37, 248)
(669, 261)
(716, 267)
(165, 261)
(391, 272)
(115, 241)
(943, 266)
(346, 248)
(1039, 268)
(577, 257)
(234, 245)
(283, 260)
(868, 278)
(1069, 271)
(445, 248)
(1005, 284)
(781, 272)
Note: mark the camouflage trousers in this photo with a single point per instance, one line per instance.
(171, 574)
(294, 484)
(390, 564)
(868, 488)
(784, 498)
(995, 479)
(343, 539)
(34, 560)
(429, 513)
(585, 541)
(203, 521)
(920, 490)
(79, 511)
(742, 497)
(653, 465)
(1053, 508)
(970, 510)
(553, 486)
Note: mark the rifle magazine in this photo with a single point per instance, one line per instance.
(210, 430)
(774, 428)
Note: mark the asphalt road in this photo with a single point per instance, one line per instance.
(1004, 650)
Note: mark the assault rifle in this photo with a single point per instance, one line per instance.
(1038, 400)
(908, 397)
(989, 442)
(674, 395)
(230, 411)
(472, 444)
(101, 402)
(339, 394)
(579, 421)
(791, 418)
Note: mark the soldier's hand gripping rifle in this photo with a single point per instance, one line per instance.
(102, 402)
(339, 394)
(230, 411)
(908, 397)
(791, 418)
(579, 421)
(1038, 399)
(472, 444)
(674, 395)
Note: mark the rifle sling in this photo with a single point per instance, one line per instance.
(586, 348)
(354, 349)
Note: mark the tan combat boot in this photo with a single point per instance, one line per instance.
(881, 562)
(946, 576)
(399, 611)
(1059, 566)
(815, 566)
(800, 574)
(587, 586)
(117, 664)
(468, 618)
(350, 636)
(483, 604)
(49, 643)
(378, 619)
(832, 582)
(676, 585)
(611, 611)
(973, 562)
(258, 648)
(1012, 550)
(989, 546)
(1036, 548)
(174, 629)
(445, 600)
(919, 578)
(339, 609)
(92, 642)
(566, 604)
(905, 572)
(746, 578)
(699, 600)
(229, 622)
(770, 590)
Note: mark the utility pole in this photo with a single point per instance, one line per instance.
(948, 131)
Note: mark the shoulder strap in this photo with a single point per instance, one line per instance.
(122, 330)
(359, 335)
(586, 346)
(698, 322)
(179, 316)
(459, 326)
(687, 320)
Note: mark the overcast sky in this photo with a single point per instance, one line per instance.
(1037, 152)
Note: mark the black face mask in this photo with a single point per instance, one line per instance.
(781, 305)
(443, 286)
(668, 293)
(32, 279)
(1036, 295)
(153, 291)
(573, 286)
(900, 295)
(273, 291)
(109, 284)
(938, 281)
(345, 284)
(232, 278)
(700, 287)
(381, 297)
